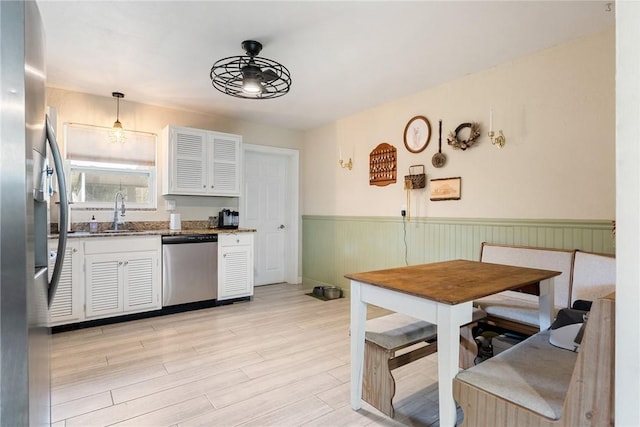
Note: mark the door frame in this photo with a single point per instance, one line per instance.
(292, 201)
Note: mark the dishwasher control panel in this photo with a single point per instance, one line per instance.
(189, 238)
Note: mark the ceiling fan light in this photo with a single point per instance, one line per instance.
(251, 86)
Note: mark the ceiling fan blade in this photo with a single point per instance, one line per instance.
(269, 75)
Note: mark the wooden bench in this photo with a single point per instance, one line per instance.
(518, 310)
(389, 334)
(539, 385)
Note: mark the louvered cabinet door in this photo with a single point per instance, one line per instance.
(225, 161)
(104, 285)
(67, 306)
(200, 162)
(235, 265)
(141, 282)
(187, 162)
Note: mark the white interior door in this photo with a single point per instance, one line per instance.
(265, 209)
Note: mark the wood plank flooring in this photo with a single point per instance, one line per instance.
(281, 359)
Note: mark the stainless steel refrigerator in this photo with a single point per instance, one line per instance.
(25, 185)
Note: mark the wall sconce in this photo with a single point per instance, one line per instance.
(117, 132)
(347, 165)
(343, 164)
(498, 140)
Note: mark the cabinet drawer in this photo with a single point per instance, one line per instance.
(122, 244)
(233, 239)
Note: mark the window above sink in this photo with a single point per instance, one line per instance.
(97, 168)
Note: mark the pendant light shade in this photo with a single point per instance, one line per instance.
(250, 77)
(117, 132)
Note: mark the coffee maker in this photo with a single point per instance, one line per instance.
(228, 219)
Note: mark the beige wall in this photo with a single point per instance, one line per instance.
(100, 111)
(557, 110)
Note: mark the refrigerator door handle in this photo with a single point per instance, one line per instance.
(64, 211)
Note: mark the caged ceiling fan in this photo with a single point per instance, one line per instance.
(250, 77)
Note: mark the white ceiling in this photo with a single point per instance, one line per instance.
(344, 56)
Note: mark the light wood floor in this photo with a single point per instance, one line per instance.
(281, 359)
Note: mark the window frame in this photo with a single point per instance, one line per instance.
(79, 166)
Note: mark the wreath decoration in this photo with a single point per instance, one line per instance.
(474, 134)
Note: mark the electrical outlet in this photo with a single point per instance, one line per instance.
(403, 210)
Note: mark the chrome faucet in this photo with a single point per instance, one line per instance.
(116, 222)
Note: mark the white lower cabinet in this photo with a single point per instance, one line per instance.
(235, 265)
(67, 306)
(122, 276)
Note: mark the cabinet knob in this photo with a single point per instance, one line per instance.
(119, 262)
(204, 186)
(74, 250)
(281, 226)
(126, 263)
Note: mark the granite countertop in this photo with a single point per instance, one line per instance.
(154, 232)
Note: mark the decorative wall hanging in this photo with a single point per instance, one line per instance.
(462, 144)
(417, 134)
(445, 189)
(414, 180)
(438, 160)
(382, 165)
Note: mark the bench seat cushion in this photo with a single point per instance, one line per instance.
(512, 308)
(399, 330)
(538, 375)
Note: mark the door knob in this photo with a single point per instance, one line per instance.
(281, 226)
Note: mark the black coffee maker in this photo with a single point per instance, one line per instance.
(228, 219)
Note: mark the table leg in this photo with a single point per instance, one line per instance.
(450, 318)
(546, 303)
(358, 323)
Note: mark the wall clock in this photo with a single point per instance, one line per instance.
(417, 134)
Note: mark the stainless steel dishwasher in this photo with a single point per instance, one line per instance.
(189, 268)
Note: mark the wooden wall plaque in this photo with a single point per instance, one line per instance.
(382, 165)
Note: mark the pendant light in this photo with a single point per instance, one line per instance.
(117, 132)
(250, 77)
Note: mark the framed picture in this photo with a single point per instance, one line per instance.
(445, 189)
(417, 133)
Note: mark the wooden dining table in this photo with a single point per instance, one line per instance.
(440, 293)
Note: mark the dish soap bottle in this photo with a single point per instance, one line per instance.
(93, 225)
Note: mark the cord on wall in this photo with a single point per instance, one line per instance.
(406, 248)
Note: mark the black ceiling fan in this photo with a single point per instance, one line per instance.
(250, 76)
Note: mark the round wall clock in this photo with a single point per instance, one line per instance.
(417, 134)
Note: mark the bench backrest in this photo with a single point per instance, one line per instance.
(594, 276)
(532, 257)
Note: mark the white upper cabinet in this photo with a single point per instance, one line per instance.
(200, 162)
